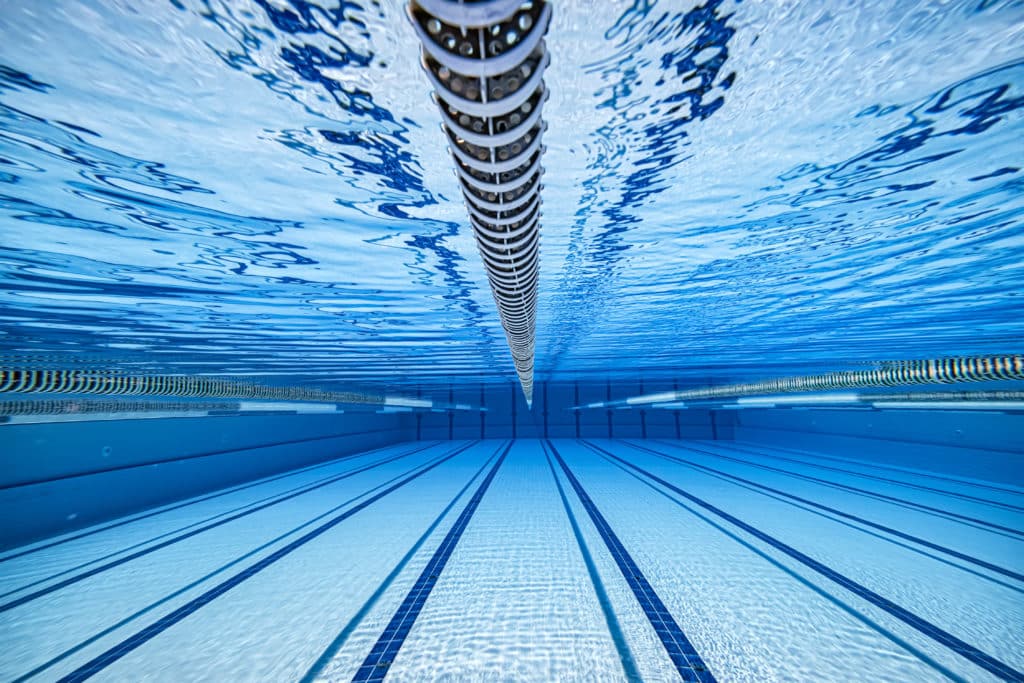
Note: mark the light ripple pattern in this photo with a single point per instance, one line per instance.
(260, 190)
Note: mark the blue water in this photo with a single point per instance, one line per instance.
(259, 190)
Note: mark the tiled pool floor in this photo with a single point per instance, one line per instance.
(543, 561)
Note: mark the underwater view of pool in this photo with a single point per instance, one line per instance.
(511, 340)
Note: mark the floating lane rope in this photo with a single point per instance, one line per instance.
(485, 61)
(112, 383)
(64, 406)
(888, 374)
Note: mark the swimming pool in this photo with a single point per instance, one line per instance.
(259, 419)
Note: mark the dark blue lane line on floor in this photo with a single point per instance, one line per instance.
(839, 513)
(243, 510)
(193, 501)
(972, 521)
(71, 580)
(682, 653)
(960, 647)
(879, 466)
(254, 552)
(375, 666)
(611, 619)
(138, 639)
(766, 555)
(863, 475)
(331, 651)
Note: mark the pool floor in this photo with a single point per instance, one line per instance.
(530, 560)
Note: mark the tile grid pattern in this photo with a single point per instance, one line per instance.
(966, 650)
(903, 502)
(376, 665)
(682, 653)
(316, 671)
(611, 619)
(839, 513)
(70, 581)
(138, 639)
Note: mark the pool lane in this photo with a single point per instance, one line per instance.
(483, 569)
(69, 577)
(982, 542)
(1000, 520)
(807, 503)
(515, 601)
(265, 631)
(985, 545)
(997, 490)
(989, 495)
(979, 621)
(750, 615)
(684, 656)
(330, 654)
(43, 562)
(375, 666)
(109, 603)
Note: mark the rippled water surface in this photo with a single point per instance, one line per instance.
(262, 189)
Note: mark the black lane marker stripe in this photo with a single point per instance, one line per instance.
(213, 573)
(682, 653)
(164, 461)
(769, 557)
(879, 466)
(960, 647)
(331, 651)
(71, 580)
(375, 666)
(839, 513)
(610, 618)
(193, 501)
(115, 653)
(274, 498)
(973, 521)
(898, 482)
